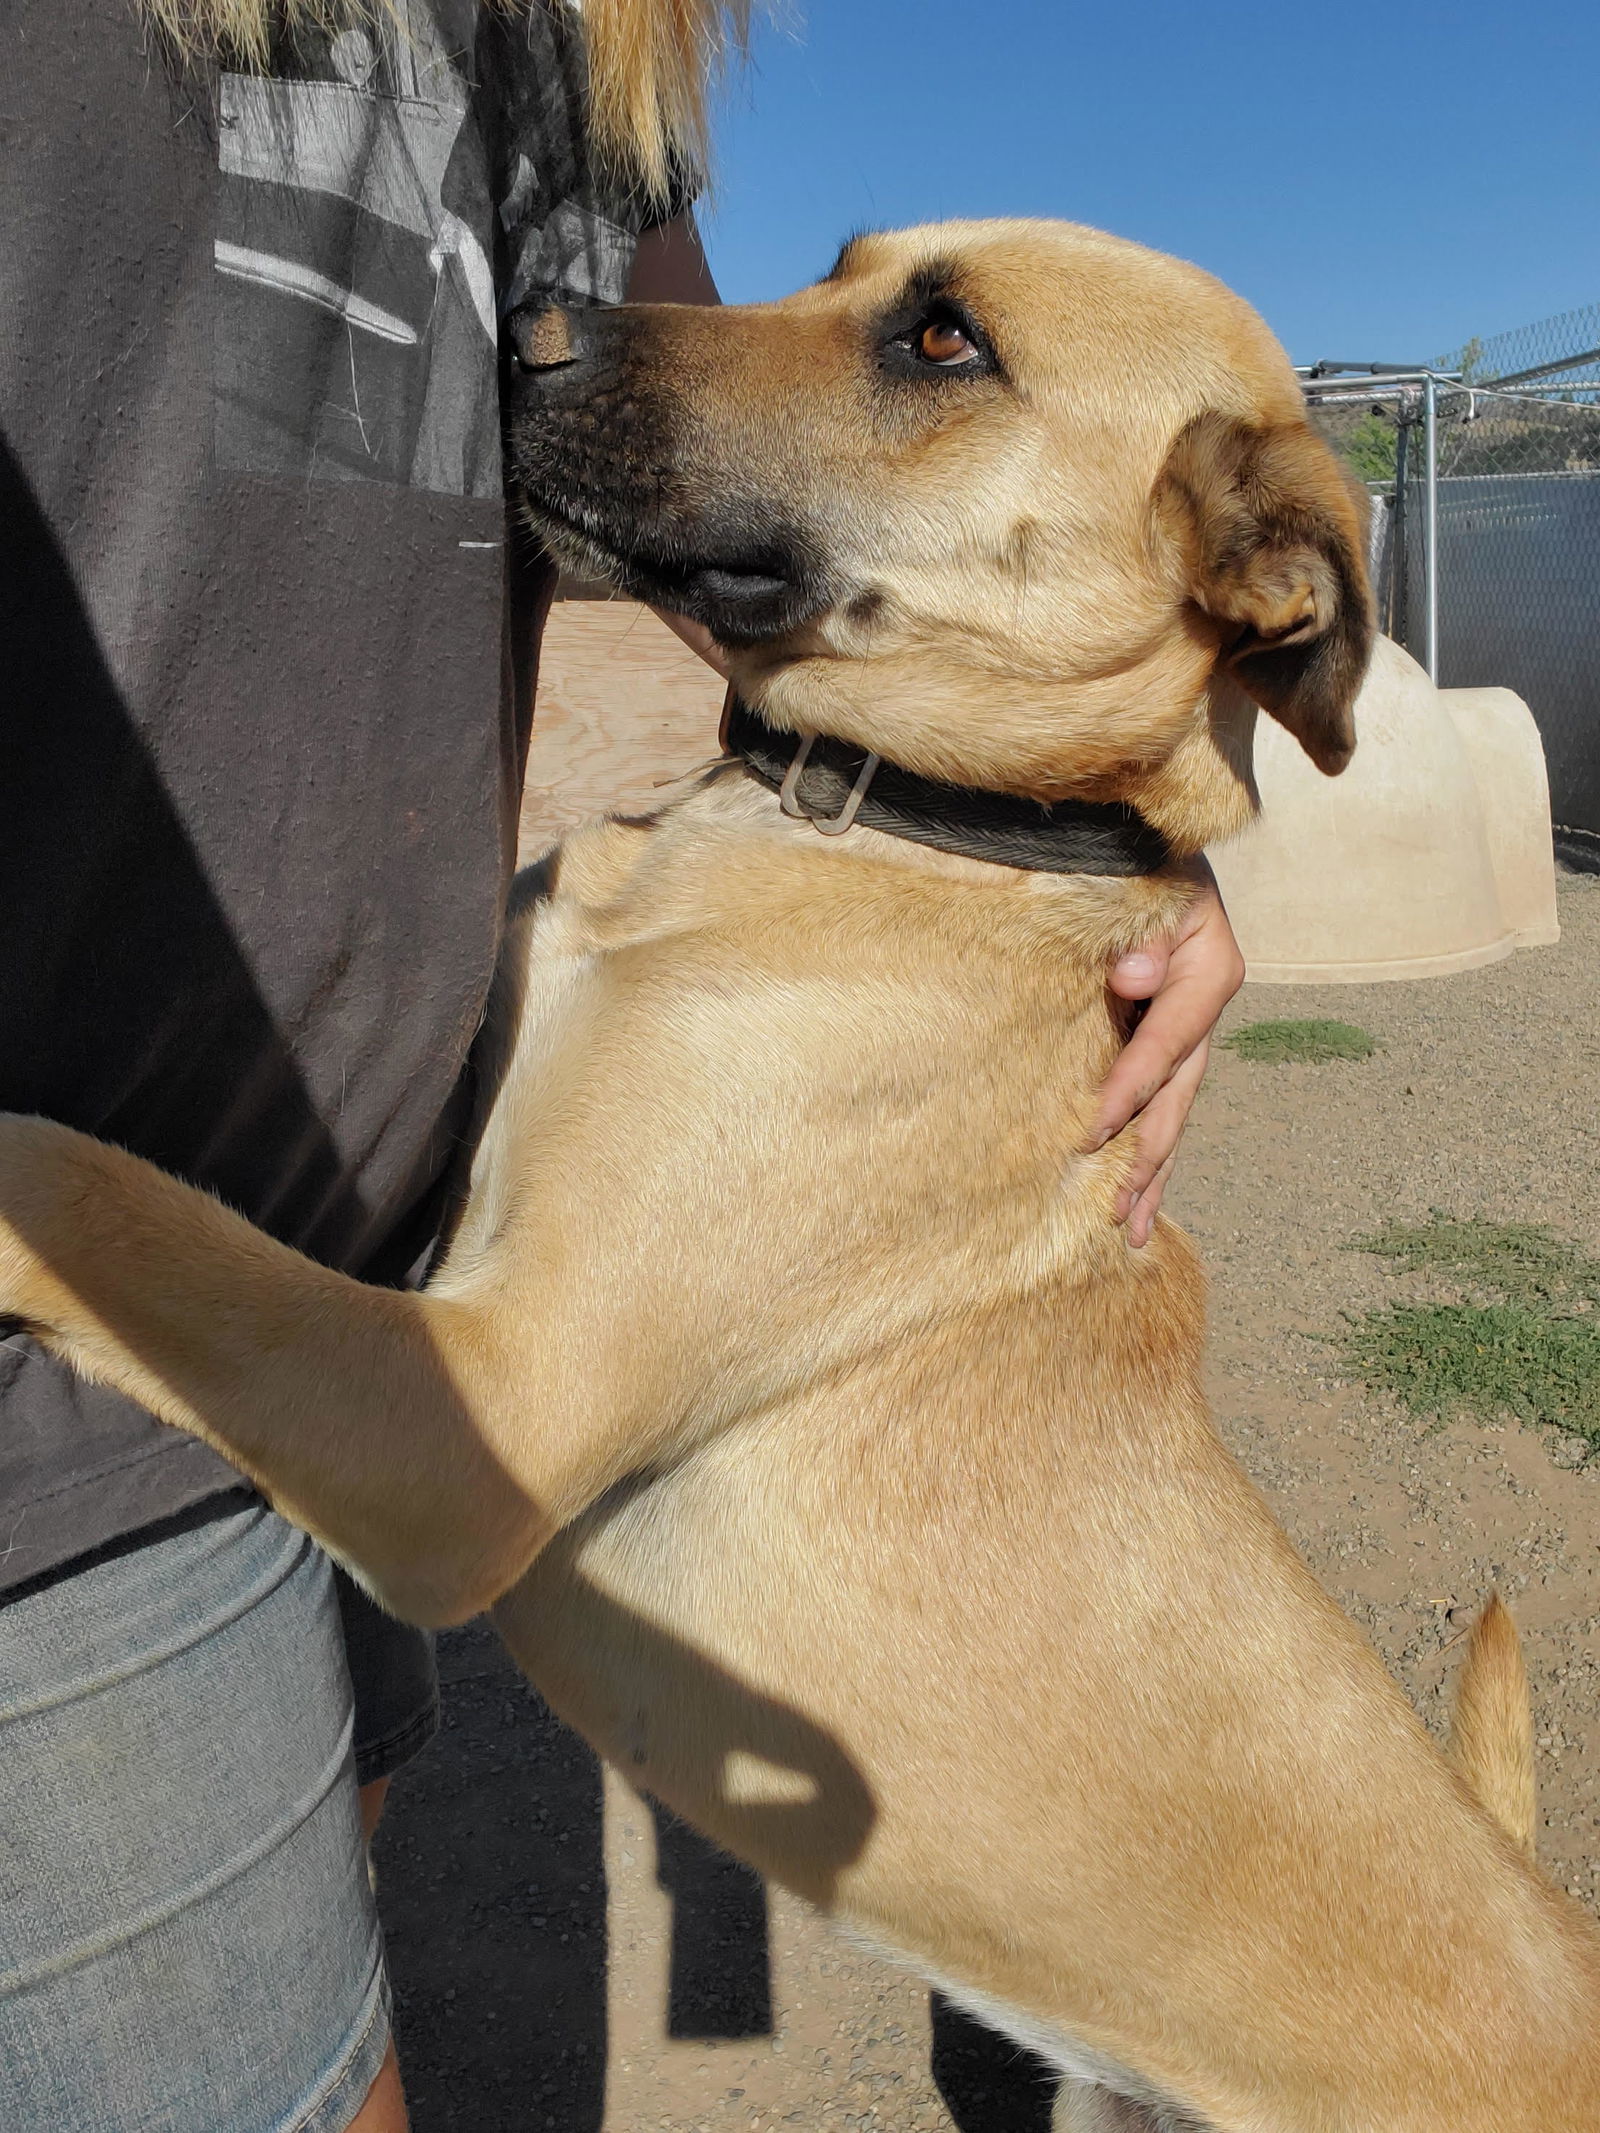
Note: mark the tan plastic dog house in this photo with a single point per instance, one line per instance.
(1431, 854)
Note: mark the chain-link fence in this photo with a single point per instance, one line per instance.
(1564, 349)
(1484, 470)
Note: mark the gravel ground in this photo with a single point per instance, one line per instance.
(560, 1961)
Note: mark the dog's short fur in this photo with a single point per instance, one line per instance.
(788, 1389)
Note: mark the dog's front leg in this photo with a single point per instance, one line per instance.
(363, 1413)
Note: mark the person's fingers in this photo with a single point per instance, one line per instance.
(1187, 981)
(1137, 976)
(1203, 970)
(1179, 1019)
(1160, 1129)
(1142, 1220)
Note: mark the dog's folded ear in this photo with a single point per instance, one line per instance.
(1271, 533)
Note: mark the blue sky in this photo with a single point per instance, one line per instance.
(1380, 181)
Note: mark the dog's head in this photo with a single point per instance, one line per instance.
(1015, 504)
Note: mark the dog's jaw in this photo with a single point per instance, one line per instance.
(749, 585)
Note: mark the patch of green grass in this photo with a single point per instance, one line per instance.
(1489, 1361)
(1311, 1043)
(1518, 1334)
(1521, 1262)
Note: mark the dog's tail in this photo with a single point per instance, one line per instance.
(1491, 1732)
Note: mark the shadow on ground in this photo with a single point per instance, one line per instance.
(492, 1887)
(491, 1880)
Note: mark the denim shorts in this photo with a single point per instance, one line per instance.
(188, 1941)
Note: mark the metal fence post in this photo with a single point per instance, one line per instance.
(1430, 640)
(1399, 560)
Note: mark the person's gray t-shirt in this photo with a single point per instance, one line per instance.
(260, 677)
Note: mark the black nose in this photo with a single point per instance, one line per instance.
(550, 336)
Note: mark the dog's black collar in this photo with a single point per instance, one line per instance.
(835, 786)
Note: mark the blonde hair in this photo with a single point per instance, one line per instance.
(651, 62)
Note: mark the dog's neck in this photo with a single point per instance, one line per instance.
(835, 786)
(1171, 739)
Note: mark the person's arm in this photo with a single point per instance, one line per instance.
(1188, 980)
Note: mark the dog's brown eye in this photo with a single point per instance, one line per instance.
(944, 343)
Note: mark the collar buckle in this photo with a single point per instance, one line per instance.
(825, 825)
(1091, 837)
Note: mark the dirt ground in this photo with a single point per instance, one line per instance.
(562, 1960)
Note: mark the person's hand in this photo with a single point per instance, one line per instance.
(1188, 981)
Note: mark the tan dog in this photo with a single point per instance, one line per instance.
(787, 1389)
